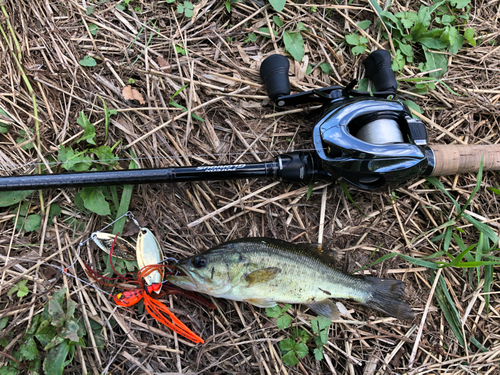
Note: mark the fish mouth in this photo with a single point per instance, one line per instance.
(182, 278)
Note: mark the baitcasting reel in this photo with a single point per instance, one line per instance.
(368, 139)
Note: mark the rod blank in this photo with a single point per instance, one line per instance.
(139, 176)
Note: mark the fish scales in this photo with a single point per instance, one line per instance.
(299, 265)
(264, 271)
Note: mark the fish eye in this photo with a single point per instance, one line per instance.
(199, 262)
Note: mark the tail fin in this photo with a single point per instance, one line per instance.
(385, 296)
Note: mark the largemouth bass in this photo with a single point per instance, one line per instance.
(264, 271)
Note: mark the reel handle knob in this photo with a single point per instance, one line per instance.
(379, 71)
(274, 72)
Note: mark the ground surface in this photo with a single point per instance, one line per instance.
(220, 71)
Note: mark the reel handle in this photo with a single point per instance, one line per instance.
(379, 71)
(453, 159)
(274, 72)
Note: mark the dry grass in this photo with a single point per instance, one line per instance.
(55, 35)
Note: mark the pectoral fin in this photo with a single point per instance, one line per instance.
(262, 275)
(326, 308)
(260, 302)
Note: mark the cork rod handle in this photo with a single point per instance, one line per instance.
(453, 159)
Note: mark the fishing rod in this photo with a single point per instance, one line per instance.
(368, 139)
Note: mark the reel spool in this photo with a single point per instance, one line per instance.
(380, 132)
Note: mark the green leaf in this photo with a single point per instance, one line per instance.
(11, 369)
(483, 228)
(56, 340)
(179, 48)
(398, 28)
(318, 353)
(326, 68)
(449, 35)
(301, 27)
(290, 359)
(93, 28)
(56, 312)
(352, 39)
(416, 262)
(28, 349)
(188, 11)
(323, 336)
(23, 289)
(4, 128)
(70, 308)
(88, 61)
(358, 50)
(251, 38)
(23, 209)
(278, 21)
(278, 5)
(376, 6)
(265, 32)
(94, 200)
(20, 288)
(363, 85)
(412, 105)
(9, 198)
(3, 322)
(105, 155)
(469, 36)
(314, 325)
(345, 189)
(304, 336)
(405, 48)
(459, 4)
(45, 332)
(124, 204)
(284, 321)
(323, 322)
(287, 345)
(479, 177)
(108, 113)
(294, 44)
(363, 25)
(435, 61)
(398, 63)
(433, 39)
(55, 210)
(488, 279)
(54, 362)
(25, 136)
(70, 331)
(434, 181)
(301, 349)
(88, 127)
(309, 190)
(308, 71)
(448, 307)
(32, 223)
(273, 312)
(407, 18)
